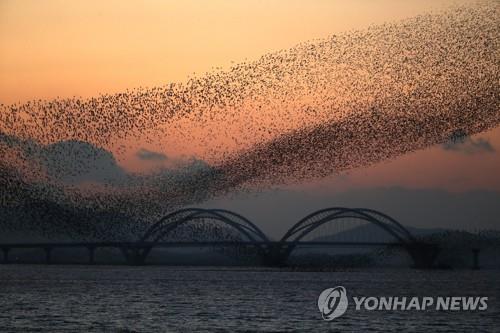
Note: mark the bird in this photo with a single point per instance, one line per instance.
(319, 108)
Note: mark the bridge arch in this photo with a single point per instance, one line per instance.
(246, 233)
(221, 221)
(423, 254)
(181, 217)
(321, 217)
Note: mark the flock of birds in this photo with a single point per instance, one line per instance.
(322, 107)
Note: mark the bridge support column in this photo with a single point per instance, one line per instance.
(134, 255)
(276, 254)
(142, 254)
(48, 255)
(5, 251)
(91, 255)
(475, 253)
(423, 254)
(126, 255)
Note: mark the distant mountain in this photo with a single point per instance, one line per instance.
(373, 233)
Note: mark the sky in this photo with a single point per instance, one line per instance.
(56, 48)
(51, 49)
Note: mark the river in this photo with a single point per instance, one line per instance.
(64, 298)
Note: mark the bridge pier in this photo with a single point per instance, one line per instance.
(5, 251)
(134, 256)
(276, 254)
(48, 255)
(126, 255)
(143, 254)
(91, 250)
(423, 254)
(475, 253)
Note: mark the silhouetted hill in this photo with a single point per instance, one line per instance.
(371, 232)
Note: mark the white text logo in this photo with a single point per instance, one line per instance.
(332, 302)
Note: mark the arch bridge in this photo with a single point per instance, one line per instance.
(352, 227)
(330, 227)
(198, 227)
(223, 229)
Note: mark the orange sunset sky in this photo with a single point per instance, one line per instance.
(53, 48)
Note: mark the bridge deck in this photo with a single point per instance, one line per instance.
(133, 250)
(187, 244)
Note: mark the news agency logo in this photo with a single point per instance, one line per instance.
(333, 303)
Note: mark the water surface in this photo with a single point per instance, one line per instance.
(204, 299)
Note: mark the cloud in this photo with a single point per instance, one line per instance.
(73, 162)
(469, 146)
(70, 161)
(148, 155)
(78, 161)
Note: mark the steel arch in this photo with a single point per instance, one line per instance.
(245, 220)
(173, 220)
(308, 223)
